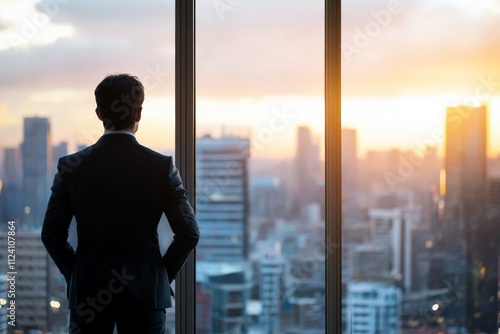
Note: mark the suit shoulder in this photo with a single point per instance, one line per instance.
(77, 156)
(71, 162)
(155, 154)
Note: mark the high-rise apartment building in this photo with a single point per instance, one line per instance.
(271, 280)
(37, 169)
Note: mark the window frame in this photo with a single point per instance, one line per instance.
(185, 140)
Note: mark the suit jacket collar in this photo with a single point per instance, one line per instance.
(117, 137)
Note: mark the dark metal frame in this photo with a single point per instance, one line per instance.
(185, 134)
(185, 140)
(333, 177)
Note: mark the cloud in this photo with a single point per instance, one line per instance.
(425, 49)
(261, 48)
(110, 37)
(257, 48)
(251, 48)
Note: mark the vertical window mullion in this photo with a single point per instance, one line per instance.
(333, 177)
(185, 302)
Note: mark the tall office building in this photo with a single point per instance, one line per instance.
(372, 308)
(465, 166)
(10, 189)
(349, 170)
(267, 198)
(32, 279)
(37, 169)
(466, 223)
(222, 198)
(392, 228)
(307, 168)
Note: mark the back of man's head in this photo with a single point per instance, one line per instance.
(119, 97)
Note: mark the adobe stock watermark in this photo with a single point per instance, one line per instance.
(153, 77)
(372, 29)
(409, 163)
(224, 6)
(31, 26)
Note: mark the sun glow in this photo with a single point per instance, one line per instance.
(403, 122)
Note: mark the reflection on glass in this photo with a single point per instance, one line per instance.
(259, 168)
(420, 176)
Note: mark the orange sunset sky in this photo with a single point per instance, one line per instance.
(259, 67)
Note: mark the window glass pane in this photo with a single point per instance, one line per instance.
(420, 113)
(53, 55)
(259, 167)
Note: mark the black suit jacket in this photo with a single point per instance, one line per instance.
(118, 190)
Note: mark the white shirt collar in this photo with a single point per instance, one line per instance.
(125, 132)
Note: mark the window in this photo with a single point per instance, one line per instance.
(53, 54)
(260, 166)
(420, 151)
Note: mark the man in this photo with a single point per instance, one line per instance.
(118, 190)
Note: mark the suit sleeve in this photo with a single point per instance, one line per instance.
(56, 226)
(182, 220)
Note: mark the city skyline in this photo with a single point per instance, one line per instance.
(417, 251)
(278, 145)
(402, 227)
(383, 83)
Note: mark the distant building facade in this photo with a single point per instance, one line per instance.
(372, 308)
(37, 169)
(222, 200)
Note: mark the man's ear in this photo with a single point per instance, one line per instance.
(138, 114)
(98, 113)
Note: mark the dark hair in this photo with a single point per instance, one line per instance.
(118, 97)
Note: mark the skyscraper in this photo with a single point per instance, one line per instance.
(349, 171)
(10, 189)
(222, 198)
(32, 279)
(307, 167)
(467, 229)
(37, 169)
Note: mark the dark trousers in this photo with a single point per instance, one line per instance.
(128, 321)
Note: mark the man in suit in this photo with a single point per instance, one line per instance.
(117, 190)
